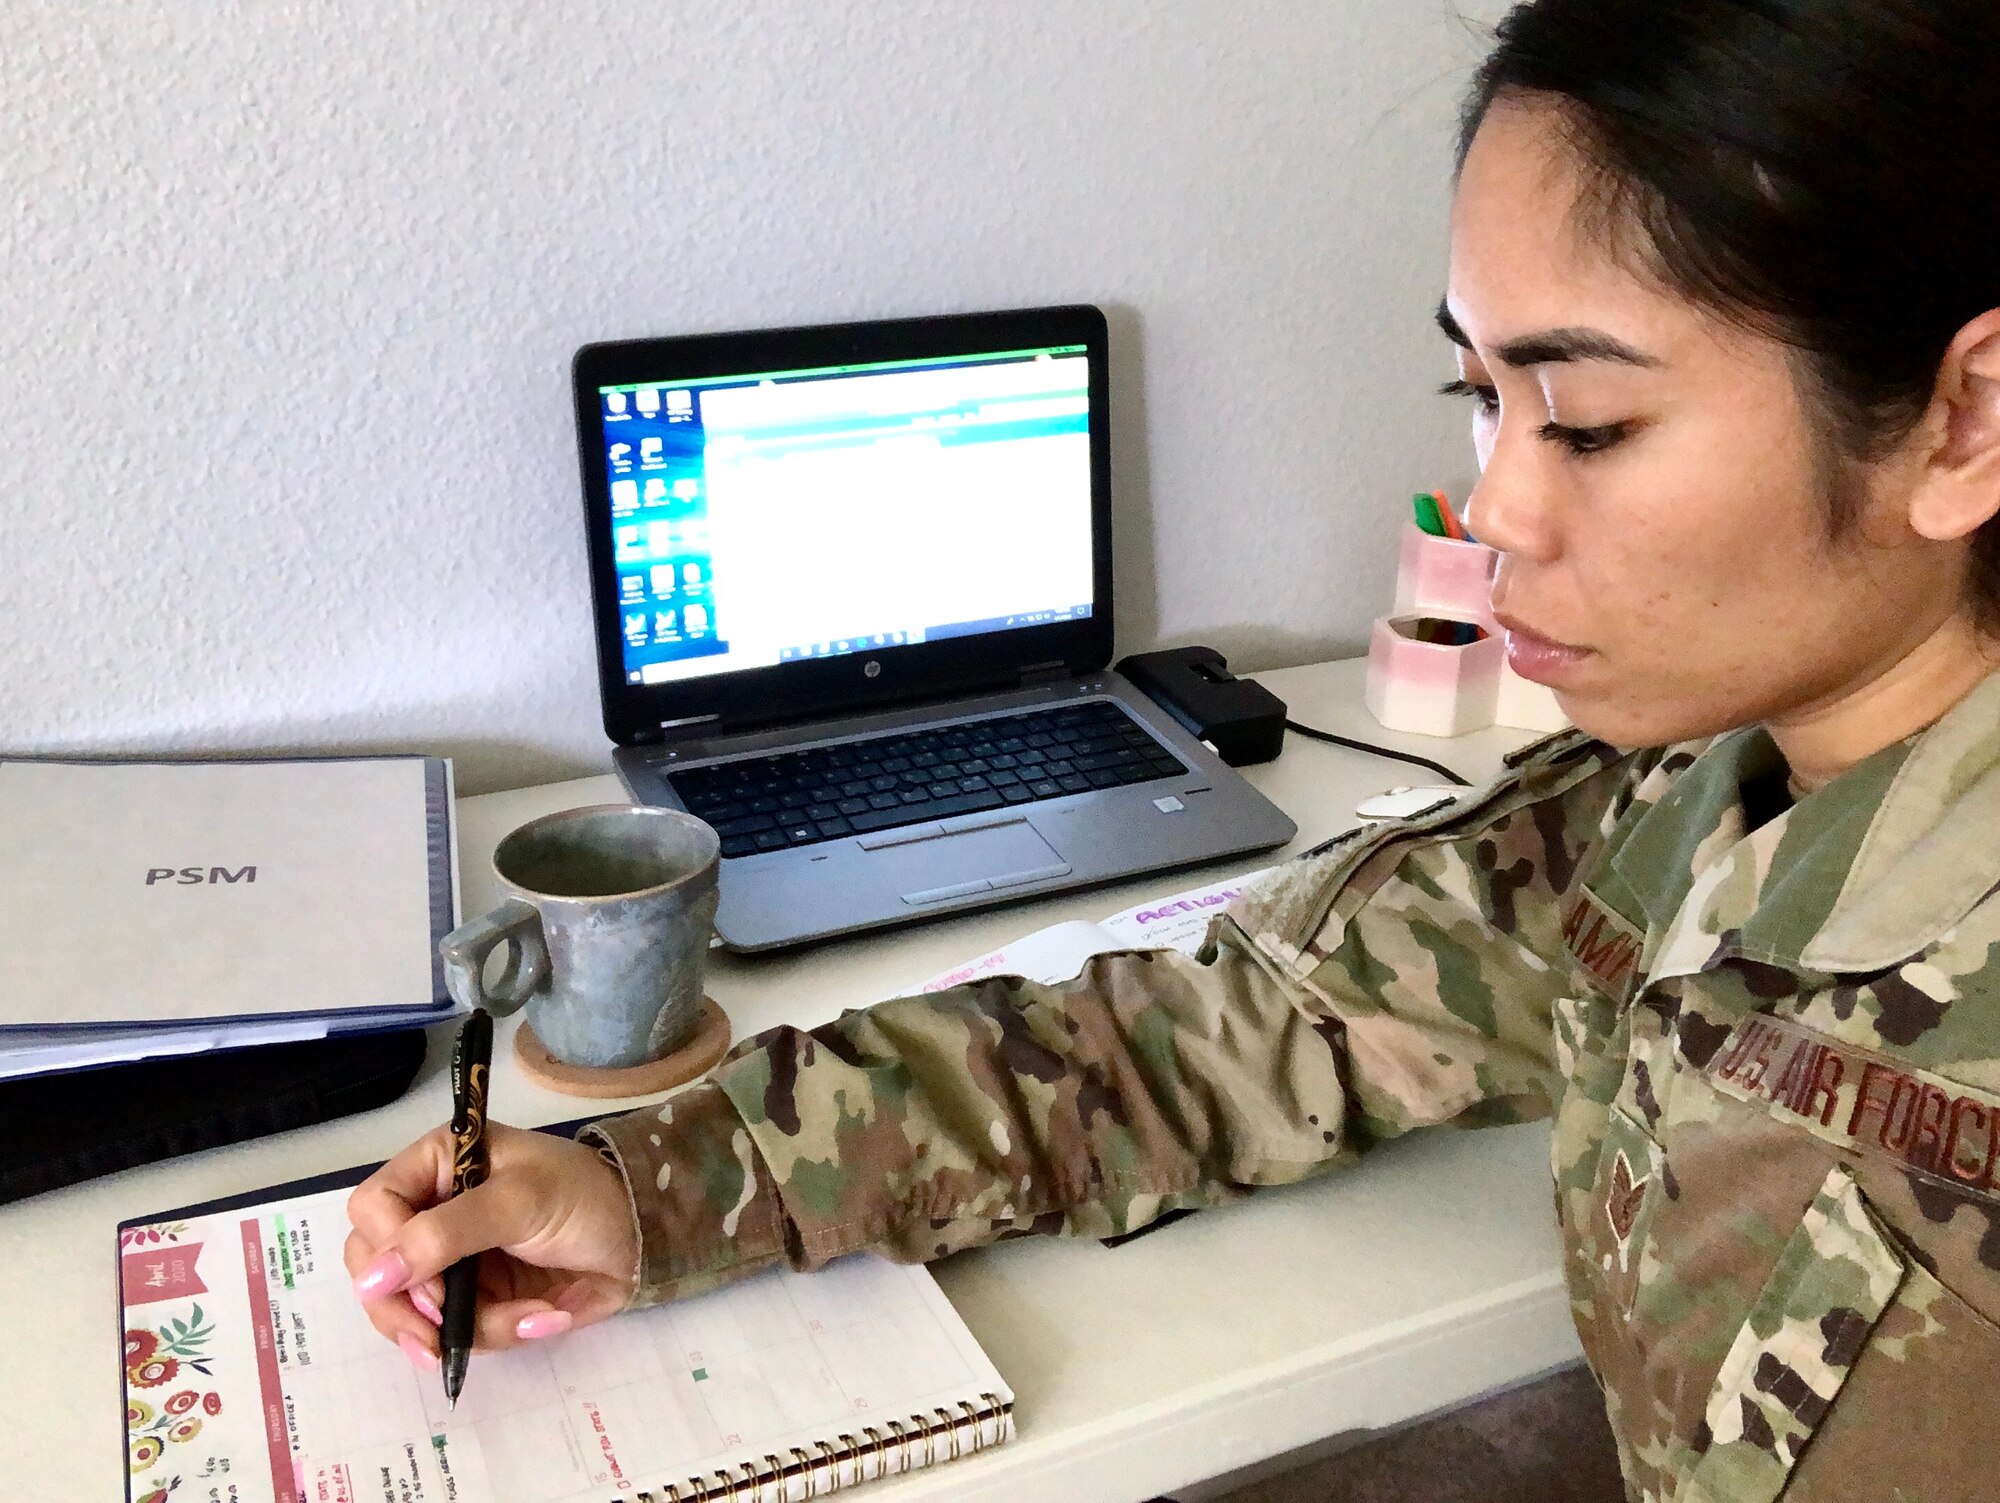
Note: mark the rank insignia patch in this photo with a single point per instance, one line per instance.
(1623, 1199)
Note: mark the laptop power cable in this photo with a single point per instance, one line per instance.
(1379, 751)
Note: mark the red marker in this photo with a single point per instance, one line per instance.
(1452, 526)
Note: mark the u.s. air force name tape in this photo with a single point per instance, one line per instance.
(1864, 1103)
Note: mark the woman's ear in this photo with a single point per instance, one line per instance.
(1960, 488)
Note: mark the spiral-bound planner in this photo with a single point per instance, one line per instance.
(251, 1374)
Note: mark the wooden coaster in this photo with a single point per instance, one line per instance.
(707, 1044)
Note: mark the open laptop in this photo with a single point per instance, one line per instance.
(852, 588)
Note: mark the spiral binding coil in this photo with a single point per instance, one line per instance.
(897, 1447)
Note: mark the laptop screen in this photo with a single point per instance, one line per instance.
(776, 516)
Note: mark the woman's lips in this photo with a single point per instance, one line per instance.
(1539, 659)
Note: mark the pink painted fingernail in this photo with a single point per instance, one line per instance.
(385, 1275)
(543, 1323)
(426, 1307)
(420, 1355)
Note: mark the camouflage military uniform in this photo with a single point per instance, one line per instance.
(1769, 1034)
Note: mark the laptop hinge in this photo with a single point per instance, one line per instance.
(1037, 674)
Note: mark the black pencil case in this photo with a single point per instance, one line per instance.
(58, 1129)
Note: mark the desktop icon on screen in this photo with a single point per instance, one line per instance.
(647, 401)
(614, 403)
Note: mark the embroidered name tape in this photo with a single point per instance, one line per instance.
(1864, 1103)
(1603, 943)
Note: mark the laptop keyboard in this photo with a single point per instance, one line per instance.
(860, 787)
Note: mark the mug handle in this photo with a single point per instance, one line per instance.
(514, 924)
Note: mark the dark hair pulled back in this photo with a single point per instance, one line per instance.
(1825, 172)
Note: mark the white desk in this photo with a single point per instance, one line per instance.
(1420, 1279)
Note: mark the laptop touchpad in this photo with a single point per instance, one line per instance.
(956, 864)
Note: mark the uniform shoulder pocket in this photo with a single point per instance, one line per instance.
(1835, 1278)
(1327, 885)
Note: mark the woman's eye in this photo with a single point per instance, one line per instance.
(1585, 440)
(1488, 397)
(1578, 441)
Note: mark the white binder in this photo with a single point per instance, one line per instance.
(157, 907)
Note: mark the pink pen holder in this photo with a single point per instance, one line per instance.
(1432, 688)
(1436, 688)
(1445, 577)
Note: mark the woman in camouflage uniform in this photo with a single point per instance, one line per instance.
(1723, 288)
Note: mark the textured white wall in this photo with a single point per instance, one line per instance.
(290, 292)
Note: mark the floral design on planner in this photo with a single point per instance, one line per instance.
(148, 1236)
(157, 1359)
(152, 1358)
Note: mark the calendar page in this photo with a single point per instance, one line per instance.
(252, 1376)
(1171, 921)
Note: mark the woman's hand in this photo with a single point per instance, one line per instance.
(552, 1221)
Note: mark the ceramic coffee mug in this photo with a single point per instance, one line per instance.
(607, 928)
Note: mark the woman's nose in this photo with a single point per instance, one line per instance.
(1508, 508)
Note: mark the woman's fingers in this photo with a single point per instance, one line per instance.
(590, 1298)
(412, 1181)
(406, 1212)
(491, 1215)
(501, 1324)
(423, 1357)
(551, 1219)
(514, 1322)
(393, 1315)
(417, 1177)
(428, 1297)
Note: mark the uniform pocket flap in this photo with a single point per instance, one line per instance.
(1835, 1277)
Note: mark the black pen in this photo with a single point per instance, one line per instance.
(471, 1064)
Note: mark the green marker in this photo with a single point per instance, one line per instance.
(1428, 519)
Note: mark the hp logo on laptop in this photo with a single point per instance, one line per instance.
(871, 669)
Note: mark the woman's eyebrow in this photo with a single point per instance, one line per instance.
(1553, 346)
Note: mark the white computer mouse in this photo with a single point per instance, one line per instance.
(1404, 803)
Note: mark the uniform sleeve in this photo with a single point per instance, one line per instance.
(1398, 978)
